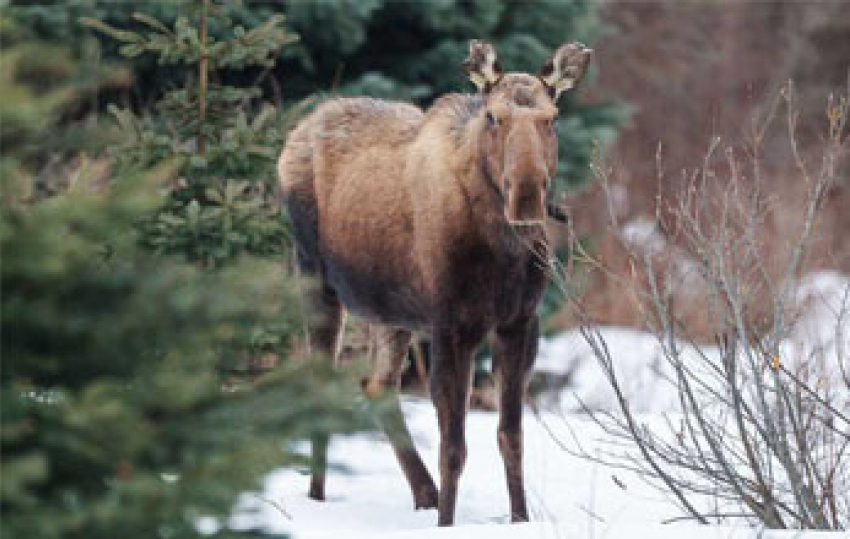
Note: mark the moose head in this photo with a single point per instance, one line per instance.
(519, 142)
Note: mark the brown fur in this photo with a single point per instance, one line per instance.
(430, 222)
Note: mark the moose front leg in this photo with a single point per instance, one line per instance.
(514, 350)
(451, 378)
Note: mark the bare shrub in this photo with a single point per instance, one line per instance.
(762, 430)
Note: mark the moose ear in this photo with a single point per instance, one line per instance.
(482, 66)
(566, 68)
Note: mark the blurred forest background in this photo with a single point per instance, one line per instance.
(148, 303)
(693, 72)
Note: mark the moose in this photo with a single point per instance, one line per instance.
(433, 221)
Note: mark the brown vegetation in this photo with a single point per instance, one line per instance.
(697, 73)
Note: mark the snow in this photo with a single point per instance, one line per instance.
(818, 347)
(368, 496)
(643, 232)
(818, 344)
(822, 297)
(568, 496)
(643, 236)
(640, 366)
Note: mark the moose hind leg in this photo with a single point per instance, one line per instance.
(325, 310)
(391, 348)
(514, 350)
(324, 332)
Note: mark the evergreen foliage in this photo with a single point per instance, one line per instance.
(118, 415)
(64, 85)
(383, 48)
(224, 141)
(114, 414)
(413, 50)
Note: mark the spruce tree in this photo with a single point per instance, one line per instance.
(116, 415)
(223, 139)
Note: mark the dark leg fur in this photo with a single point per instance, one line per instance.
(324, 305)
(514, 350)
(390, 354)
(451, 377)
(323, 336)
(319, 448)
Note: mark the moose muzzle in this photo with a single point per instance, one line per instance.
(526, 204)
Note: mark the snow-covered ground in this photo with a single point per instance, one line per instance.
(568, 496)
(816, 344)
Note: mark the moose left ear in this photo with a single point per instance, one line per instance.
(482, 65)
(566, 68)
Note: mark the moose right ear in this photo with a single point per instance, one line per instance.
(482, 66)
(566, 68)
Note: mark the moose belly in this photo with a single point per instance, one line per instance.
(377, 288)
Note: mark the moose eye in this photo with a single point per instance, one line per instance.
(491, 120)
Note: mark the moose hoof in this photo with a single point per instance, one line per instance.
(317, 493)
(425, 498)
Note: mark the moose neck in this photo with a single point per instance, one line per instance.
(482, 187)
(485, 192)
